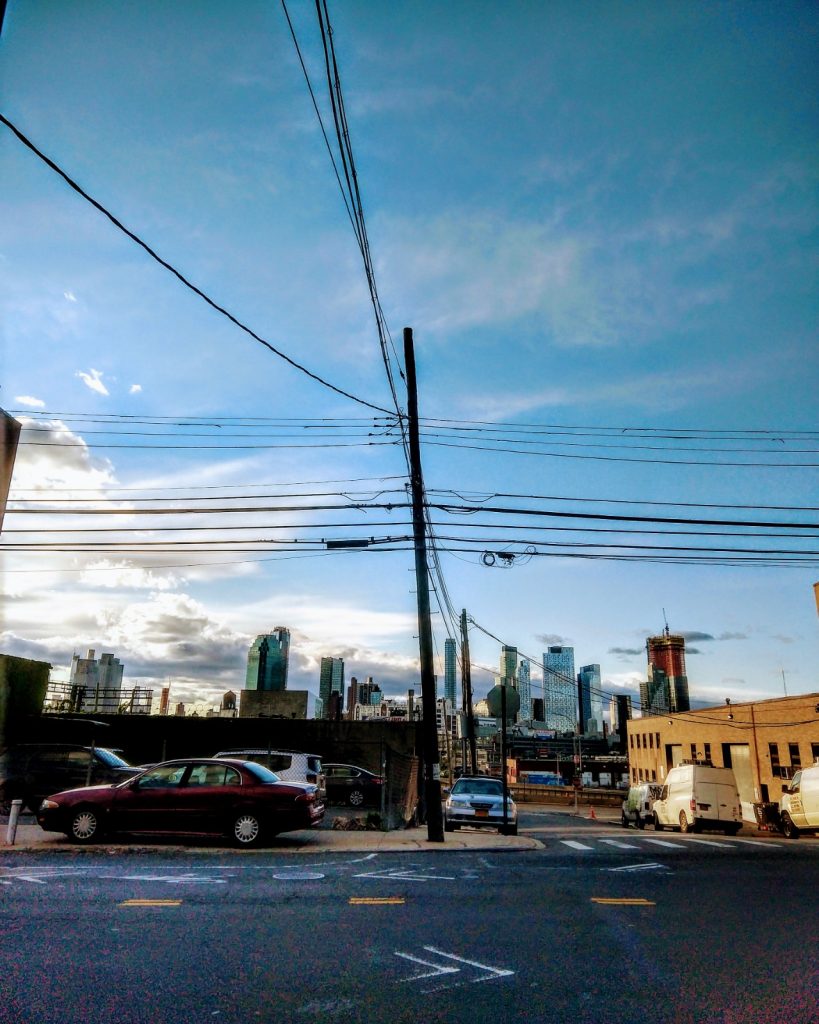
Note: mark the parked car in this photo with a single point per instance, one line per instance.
(349, 784)
(478, 801)
(289, 765)
(638, 806)
(799, 806)
(242, 800)
(697, 795)
(30, 771)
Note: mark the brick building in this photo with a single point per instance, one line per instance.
(764, 742)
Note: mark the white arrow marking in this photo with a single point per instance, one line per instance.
(640, 867)
(31, 878)
(493, 972)
(405, 876)
(437, 968)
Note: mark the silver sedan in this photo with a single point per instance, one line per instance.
(478, 802)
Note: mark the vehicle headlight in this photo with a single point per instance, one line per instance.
(48, 805)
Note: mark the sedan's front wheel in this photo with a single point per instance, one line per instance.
(247, 830)
(85, 826)
(356, 798)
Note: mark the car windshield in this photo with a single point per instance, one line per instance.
(261, 773)
(483, 787)
(110, 758)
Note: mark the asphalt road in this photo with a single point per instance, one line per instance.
(591, 933)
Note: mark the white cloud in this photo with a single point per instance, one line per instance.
(93, 380)
(70, 296)
(134, 389)
(30, 401)
(64, 463)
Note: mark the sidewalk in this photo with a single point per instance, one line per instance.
(31, 839)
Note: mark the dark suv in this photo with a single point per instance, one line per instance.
(32, 771)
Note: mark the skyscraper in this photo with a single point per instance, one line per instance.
(331, 680)
(96, 684)
(267, 661)
(450, 662)
(666, 688)
(560, 689)
(524, 690)
(590, 699)
(508, 666)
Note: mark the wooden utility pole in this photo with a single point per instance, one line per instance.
(466, 680)
(429, 729)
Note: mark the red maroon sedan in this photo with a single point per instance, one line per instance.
(195, 797)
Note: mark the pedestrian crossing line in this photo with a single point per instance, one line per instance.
(575, 845)
(759, 842)
(712, 842)
(664, 842)
(620, 845)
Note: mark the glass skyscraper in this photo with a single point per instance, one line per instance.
(590, 698)
(560, 689)
(267, 661)
(524, 690)
(450, 662)
(331, 680)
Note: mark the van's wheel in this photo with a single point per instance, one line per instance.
(657, 826)
(685, 826)
(789, 830)
(623, 819)
(246, 830)
(641, 821)
(356, 798)
(85, 826)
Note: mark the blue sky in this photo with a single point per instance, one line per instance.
(593, 216)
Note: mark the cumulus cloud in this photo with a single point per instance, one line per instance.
(553, 639)
(30, 401)
(627, 652)
(134, 389)
(70, 296)
(65, 462)
(693, 634)
(93, 380)
(121, 575)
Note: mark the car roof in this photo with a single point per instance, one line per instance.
(236, 751)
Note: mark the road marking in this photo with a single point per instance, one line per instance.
(575, 845)
(620, 845)
(710, 842)
(375, 901)
(31, 878)
(438, 969)
(299, 876)
(759, 842)
(405, 876)
(653, 866)
(614, 901)
(664, 842)
(171, 879)
(151, 903)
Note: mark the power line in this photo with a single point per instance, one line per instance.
(181, 277)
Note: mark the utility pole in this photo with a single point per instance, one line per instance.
(429, 730)
(466, 680)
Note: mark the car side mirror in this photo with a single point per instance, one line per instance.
(445, 790)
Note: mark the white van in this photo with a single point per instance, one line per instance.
(799, 806)
(697, 795)
(638, 807)
(289, 765)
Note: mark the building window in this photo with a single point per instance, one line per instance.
(631, 741)
(773, 751)
(651, 740)
(657, 738)
(814, 751)
(693, 751)
(653, 775)
(707, 748)
(793, 750)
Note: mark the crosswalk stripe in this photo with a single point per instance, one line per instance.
(711, 842)
(574, 845)
(759, 842)
(619, 845)
(664, 842)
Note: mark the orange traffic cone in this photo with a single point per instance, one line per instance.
(592, 815)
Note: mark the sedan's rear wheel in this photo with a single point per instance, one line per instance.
(85, 826)
(356, 798)
(247, 830)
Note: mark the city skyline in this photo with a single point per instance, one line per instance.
(601, 230)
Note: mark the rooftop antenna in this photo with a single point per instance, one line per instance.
(784, 684)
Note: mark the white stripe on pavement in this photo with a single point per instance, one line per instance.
(620, 845)
(663, 842)
(574, 845)
(710, 842)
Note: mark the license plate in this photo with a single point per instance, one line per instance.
(481, 814)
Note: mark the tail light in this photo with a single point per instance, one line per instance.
(378, 782)
(693, 805)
